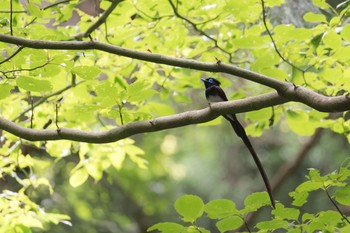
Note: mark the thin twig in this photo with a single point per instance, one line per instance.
(335, 205)
(26, 69)
(246, 225)
(45, 8)
(32, 112)
(44, 98)
(273, 40)
(120, 114)
(272, 117)
(199, 30)
(56, 115)
(275, 46)
(12, 55)
(11, 29)
(102, 19)
(55, 4)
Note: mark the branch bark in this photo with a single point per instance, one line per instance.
(157, 124)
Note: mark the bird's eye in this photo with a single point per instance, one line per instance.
(211, 80)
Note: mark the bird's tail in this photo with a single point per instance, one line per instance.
(240, 131)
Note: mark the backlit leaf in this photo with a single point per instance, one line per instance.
(5, 90)
(86, 72)
(33, 84)
(313, 18)
(229, 223)
(190, 207)
(167, 227)
(78, 177)
(220, 208)
(342, 195)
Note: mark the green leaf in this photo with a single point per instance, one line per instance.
(34, 10)
(314, 18)
(161, 109)
(229, 223)
(302, 192)
(141, 95)
(86, 72)
(325, 221)
(272, 224)
(300, 198)
(275, 73)
(342, 195)
(30, 220)
(190, 207)
(256, 200)
(220, 208)
(33, 84)
(167, 227)
(321, 3)
(78, 177)
(249, 41)
(21, 229)
(345, 33)
(117, 158)
(5, 90)
(95, 170)
(298, 121)
(285, 213)
(139, 91)
(332, 40)
(314, 176)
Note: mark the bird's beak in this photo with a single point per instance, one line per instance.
(203, 80)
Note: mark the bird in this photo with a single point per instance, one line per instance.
(214, 93)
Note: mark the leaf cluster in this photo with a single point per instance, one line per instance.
(290, 219)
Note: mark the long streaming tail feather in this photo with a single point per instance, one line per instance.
(238, 128)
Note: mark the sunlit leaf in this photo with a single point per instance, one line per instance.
(190, 207)
(282, 212)
(332, 40)
(5, 90)
(78, 177)
(229, 223)
(313, 18)
(86, 72)
(256, 200)
(33, 84)
(33, 9)
(167, 227)
(272, 224)
(342, 195)
(345, 32)
(222, 208)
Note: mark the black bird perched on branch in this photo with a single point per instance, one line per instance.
(214, 93)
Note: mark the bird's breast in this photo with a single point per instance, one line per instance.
(214, 98)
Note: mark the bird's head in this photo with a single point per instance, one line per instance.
(208, 82)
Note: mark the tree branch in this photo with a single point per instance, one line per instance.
(285, 89)
(157, 124)
(102, 19)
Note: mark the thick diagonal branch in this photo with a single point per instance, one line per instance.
(285, 89)
(157, 124)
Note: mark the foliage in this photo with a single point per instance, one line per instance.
(97, 91)
(290, 219)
